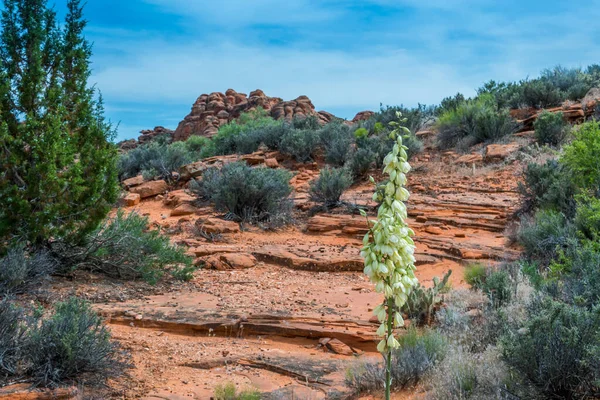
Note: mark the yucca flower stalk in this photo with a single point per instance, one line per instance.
(388, 248)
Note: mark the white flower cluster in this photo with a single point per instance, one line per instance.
(388, 247)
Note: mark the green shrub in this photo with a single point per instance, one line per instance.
(549, 187)
(416, 117)
(475, 275)
(421, 302)
(459, 125)
(581, 285)
(506, 95)
(555, 349)
(228, 391)
(155, 160)
(361, 161)
(246, 134)
(498, 287)
(330, 185)
(71, 343)
(310, 123)
(587, 217)
(450, 104)
(361, 133)
(123, 247)
(581, 156)
(546, 235)
(492, 125)
(417, 355)
(337, 141)
(300, 144)
(540, 93)
(20, 271)
(12, 331)
(249, 194)
(572, 83)
(551, 128)
(195, 144)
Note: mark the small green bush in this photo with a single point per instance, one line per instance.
(474, 121)
(20, 271)
(249, 194)
(581, 156)
(154, 159)
(450, 104)
(498, 287)
(506, 95)
(310, 123)
(361, 161)
(337, 141)
(195, 144)
(300, 144)
(12, 333)
(475, 275)
(540, 93)
(123, 247)
(71, 343)
(330, 185)
(228, 391)
(246, 134)
(421, 303)
(361, 133)
(581, 286)
(546, 235)
(587, 217)
(549, 187)
(492, 125)
(417, 355)
(556, 349)
(551, 128)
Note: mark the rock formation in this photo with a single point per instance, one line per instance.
(210, 111)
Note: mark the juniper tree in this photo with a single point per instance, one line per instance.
(57, 159)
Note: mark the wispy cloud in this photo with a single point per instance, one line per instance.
(345, 55)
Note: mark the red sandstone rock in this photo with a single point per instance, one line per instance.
(131, 199)
(210, 111)
(271, 162)
(135, 181)
(215, 225)
(362, 116)
(498, 152)
(149, 189)
(469, 159)
(177, 197)
(183, 209)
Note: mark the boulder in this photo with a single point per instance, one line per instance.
(131, 199)
(499, 152)
(271, 162)
(135, 181)
(362, 116)
(337, 346)
(230, 261)
(183, 209)
(177, 197)
(210, 111)
(149, 189)
(215, 225)
(469, 159)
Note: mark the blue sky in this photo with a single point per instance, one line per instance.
(153, 58)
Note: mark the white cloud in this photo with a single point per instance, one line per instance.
(169, 73)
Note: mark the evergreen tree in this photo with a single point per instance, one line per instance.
(57, 175)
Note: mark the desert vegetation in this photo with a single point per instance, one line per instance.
(273, 203)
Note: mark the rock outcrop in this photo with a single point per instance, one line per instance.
(210, 111)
